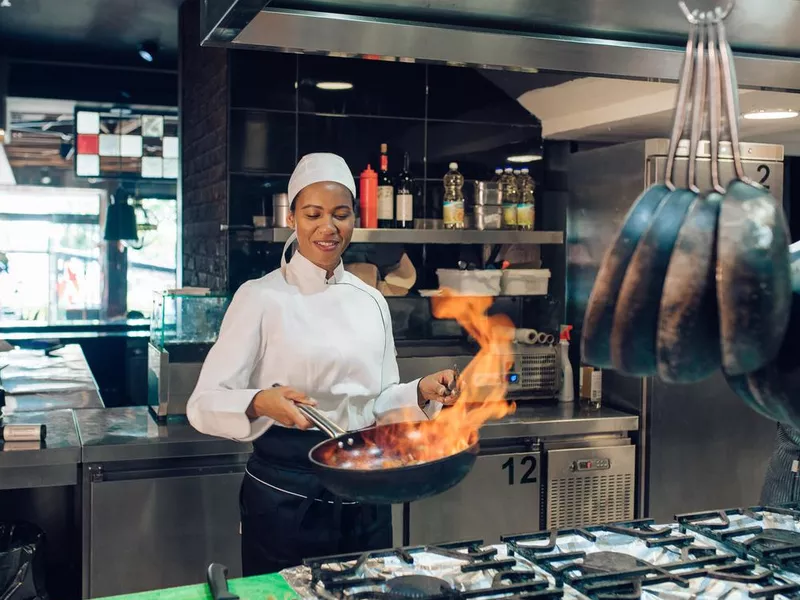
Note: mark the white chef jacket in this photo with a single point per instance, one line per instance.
(328, 338)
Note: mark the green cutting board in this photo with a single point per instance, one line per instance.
(263, 587)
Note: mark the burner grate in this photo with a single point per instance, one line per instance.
(778, 548)
(341, 576)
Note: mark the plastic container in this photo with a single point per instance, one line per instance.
(369, 198)
(471, 283)
(525, 282)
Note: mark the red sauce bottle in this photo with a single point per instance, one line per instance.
(369, 198)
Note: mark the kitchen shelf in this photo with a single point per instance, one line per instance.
(429, 236)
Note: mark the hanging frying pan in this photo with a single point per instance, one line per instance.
(599, 316)
(774, 390)
(635, 326)
(753, 277)
(369, 465)
(688, 344)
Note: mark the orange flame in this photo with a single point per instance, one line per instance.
(482, 390)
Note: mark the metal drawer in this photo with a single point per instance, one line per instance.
(587, 486)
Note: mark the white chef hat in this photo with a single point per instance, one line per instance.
(320, 166)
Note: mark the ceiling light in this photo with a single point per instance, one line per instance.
(524, 158)
(767, 115)
(334, 86)
(148, 50)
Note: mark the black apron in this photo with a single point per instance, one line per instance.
(781, 485)
(287, 515)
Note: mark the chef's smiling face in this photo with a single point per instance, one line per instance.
(323, 218)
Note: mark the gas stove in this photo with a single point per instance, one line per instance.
(634, 559)
(459, 570)
(767, 534)
(639, 559)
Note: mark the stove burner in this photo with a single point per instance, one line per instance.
(609, 562)
(770, 539)
(417, 587)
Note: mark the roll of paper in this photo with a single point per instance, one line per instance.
(526, 336)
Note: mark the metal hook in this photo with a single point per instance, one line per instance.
(719, 14)
(698, 93)
(715, 106)
(679, 117)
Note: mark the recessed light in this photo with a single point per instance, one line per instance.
(148, 50)
(768, 115)
(334, 86)
(524, 158)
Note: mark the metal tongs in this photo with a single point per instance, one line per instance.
(452, 388)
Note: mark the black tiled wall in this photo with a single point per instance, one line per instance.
(276, 114)
(436, 114)
(203, 95)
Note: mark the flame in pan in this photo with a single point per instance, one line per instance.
(482, 390)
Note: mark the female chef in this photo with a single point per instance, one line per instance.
(307, 333)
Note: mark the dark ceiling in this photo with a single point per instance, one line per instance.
(95, 31)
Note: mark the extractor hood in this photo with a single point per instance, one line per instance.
(625, 38)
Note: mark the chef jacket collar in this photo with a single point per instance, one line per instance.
(308, 277)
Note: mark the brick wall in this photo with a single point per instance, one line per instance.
(203, 190)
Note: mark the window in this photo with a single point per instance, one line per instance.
(153, 267)
(53, 242)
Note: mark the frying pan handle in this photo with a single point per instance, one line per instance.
(321, 421)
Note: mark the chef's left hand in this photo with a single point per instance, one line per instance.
(436, 387)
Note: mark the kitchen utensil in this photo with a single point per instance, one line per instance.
(373, 482)
(635, 324)
(753, 275)
(280, 210)
(217, 576)
(599, 316)
(774, 390)
(688, 343)
(488, 193)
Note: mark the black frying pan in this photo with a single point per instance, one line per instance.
(364, 466)
(774, 390)
(754, 281)
(599, 316)
(688, 343)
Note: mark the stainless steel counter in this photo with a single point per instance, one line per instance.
(554, 420)
(117, 434)
(37, 464)
(35, 381)
(122, 434)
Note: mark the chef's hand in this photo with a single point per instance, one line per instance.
(278, 403)
(436, 387)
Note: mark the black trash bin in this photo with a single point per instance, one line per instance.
(21, 562)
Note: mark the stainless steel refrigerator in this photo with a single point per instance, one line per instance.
(699, 445)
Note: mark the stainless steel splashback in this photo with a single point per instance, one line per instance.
(627, 38)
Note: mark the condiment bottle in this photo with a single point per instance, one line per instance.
(369, 198)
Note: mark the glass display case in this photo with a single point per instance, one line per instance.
(183, 326)
(186, 318)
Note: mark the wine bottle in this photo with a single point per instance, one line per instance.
(404, 197)
(385, 192)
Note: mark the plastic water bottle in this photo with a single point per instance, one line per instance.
(453, 209)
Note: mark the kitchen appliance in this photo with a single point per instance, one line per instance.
(453, 570)
(183, 327)
(535, 373)
(589, 484)
(680, 428)
(628, 559)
